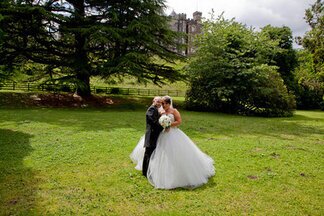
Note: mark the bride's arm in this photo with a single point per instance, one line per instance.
(177, 118)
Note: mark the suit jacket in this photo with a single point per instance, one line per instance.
(153, 128)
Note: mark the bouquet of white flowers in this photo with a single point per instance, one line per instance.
(165, 121)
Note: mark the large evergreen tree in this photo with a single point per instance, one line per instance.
(3, 72)
(84, 38)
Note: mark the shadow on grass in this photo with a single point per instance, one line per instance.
(301, 117)
(213, 126)
(210, 184)
(194, 123)
(17, 183)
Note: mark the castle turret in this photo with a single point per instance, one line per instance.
(173, 14)
(182, 16)
(197, 16)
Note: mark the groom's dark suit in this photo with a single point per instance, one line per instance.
(153, 129)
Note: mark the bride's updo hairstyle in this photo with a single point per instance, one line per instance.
(167, 99)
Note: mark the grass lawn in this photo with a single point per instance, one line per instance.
(133, 83)
(76, 162)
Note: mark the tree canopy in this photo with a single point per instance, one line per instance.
(78, 39)
(314, 39)
(231, 73)
(284, 56)
(309, 76)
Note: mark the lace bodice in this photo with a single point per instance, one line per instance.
(171, 116)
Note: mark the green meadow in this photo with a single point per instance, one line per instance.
(74, 161)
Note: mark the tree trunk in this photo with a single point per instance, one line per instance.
(83, 85)
(81, 64)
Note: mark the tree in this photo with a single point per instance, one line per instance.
(309, 76)
(285, 56)
(309, 90)
(3, 72)
(313, 41)
(84, 38)
(229, 72)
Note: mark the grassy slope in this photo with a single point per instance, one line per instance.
(125, 82)
(76, 161)
(133, 83)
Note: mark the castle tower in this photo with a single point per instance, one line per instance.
(197, 16)
(191, 28)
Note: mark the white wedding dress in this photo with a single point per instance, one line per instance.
(176, 161)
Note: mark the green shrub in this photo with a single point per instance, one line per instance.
(322, 105)
(230, 73)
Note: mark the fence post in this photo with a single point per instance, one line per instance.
(28, 86)
(13, 86)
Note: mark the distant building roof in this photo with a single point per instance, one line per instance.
(173, 13)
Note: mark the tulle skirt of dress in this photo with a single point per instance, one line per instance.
(137, 155)
(176, 162)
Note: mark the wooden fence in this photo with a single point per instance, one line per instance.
(94, 89)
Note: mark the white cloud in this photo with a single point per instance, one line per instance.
(256, 13)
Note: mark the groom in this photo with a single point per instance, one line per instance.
(153, 129)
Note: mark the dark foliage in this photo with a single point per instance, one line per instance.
(87, 38)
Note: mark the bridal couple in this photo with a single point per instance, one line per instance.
(167, 156)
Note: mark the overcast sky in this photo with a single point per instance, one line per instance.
(256, 13)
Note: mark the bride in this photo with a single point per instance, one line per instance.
(176, 161)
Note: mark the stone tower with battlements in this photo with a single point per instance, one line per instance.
(191, 27)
